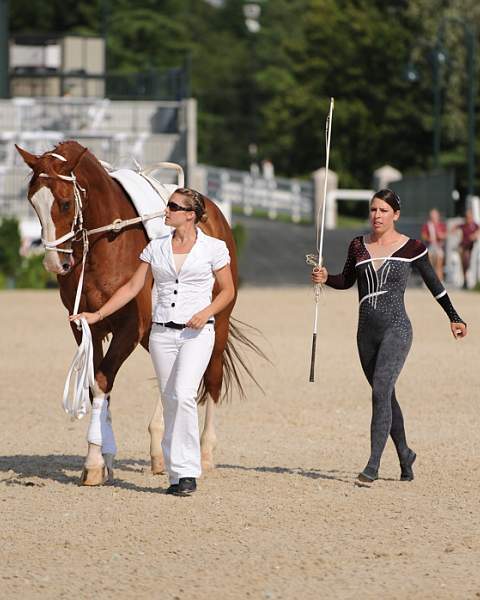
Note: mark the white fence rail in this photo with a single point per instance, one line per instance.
(254, 195)
(13, 193)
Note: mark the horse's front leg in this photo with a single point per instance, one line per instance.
(102, 448)
(155, 428)
(101, 441)
(98, 467)
(208, 440)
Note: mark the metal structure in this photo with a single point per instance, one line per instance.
(117, 132)
(421, 193)
(4, 91)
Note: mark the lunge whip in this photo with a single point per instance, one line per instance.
(316, 260)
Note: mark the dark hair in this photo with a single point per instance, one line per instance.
(388, 196)
(195, 201)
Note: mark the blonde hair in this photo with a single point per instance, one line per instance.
(196, 201)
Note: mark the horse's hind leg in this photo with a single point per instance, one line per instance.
(213, 385)
(208, 440)
(155, 428)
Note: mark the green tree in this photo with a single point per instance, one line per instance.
(273, 87)
(10, 259)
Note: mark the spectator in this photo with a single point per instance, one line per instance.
(268, 170)
(434, 233)
(470, 233)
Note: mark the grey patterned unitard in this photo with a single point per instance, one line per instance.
(384, 332)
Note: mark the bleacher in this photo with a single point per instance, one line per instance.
(119, 132)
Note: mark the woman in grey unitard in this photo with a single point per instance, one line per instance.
(381, 264)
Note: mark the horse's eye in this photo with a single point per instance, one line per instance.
(64, 206)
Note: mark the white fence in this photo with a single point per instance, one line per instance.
(13, 193)
(275, 197)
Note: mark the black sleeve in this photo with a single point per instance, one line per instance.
(435, 286)
(348, 276)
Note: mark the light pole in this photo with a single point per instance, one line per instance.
(438, 60)
(251, 13)
(4, 61)
(469, 35)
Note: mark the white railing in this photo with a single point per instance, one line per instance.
(13, 193)
(254, 195)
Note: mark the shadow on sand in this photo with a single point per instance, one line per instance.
(342, 476)
(26, 470)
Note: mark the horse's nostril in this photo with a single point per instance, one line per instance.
(65, 266)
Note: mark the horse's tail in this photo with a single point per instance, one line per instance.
(234, 363)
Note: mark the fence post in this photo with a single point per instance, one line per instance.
(296, 203)
(247, 192)
(190, 106)
(198, 179)
(318, 186)
(271, 186)
(384, 176)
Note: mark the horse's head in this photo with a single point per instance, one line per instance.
(56, 198)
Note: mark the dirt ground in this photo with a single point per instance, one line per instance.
(280, 517)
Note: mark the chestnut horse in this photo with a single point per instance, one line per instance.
(111, 260)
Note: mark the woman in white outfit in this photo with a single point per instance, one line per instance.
(185, 264)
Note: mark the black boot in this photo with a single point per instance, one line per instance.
(406, 466)
(186, 486)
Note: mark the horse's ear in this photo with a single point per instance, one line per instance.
(30, 159)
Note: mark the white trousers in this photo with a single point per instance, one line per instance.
(180, 358)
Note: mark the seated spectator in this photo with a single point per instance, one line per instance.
(470, 233)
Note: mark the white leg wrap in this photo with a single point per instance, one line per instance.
(100, 431)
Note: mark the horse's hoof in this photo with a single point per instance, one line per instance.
(158, 466)
(208, 464)
(94, 475)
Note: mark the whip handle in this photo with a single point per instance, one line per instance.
(312, 361)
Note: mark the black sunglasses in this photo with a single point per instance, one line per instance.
(174, 207)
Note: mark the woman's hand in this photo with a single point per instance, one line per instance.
(459, 330)
(198, 320)
(90, 318)
(319, 275)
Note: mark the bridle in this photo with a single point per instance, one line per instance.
(77, 223)
(77, 228)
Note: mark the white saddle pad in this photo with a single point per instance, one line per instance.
(148, 195)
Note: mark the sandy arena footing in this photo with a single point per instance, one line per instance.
(280, 517)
